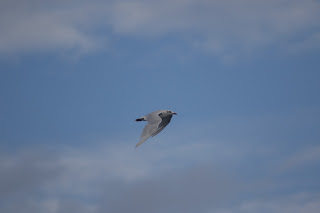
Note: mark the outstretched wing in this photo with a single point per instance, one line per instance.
(153, 123)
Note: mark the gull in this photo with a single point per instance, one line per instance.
(157, 121)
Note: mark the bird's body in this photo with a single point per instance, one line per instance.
(157, 121)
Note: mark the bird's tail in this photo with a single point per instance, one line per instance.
(140, 119)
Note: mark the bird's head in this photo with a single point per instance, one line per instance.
(171, 112)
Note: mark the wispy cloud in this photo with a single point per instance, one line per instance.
(102, 178)
(309, 43)
(225, 28)
(306, 157)
(105, 177)
(295, 203)
(35, 26)
(22, 173)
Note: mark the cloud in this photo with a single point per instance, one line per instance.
(226, 28)
(296, 203)
(34, 26)
(174, 176)
(22, 173)
(188, 190)
(103, 178)
(308, 156)
(309, 43)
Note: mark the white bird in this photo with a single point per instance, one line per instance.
(157, 121)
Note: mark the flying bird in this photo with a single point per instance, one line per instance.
(157, 121)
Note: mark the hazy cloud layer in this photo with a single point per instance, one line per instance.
(225, 28)
(105, 179)
(20, 173)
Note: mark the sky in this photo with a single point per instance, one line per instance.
(243, 77)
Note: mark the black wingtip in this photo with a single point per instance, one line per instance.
(139, 119)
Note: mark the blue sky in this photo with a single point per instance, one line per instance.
(243, 77)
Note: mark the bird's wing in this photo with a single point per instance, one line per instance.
(162, 125)
(153, 123)
(141, 141)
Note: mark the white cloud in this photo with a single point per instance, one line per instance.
(223, 27)
(33, 26)
(226, 28)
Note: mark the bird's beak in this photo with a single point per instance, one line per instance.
(174, 113)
